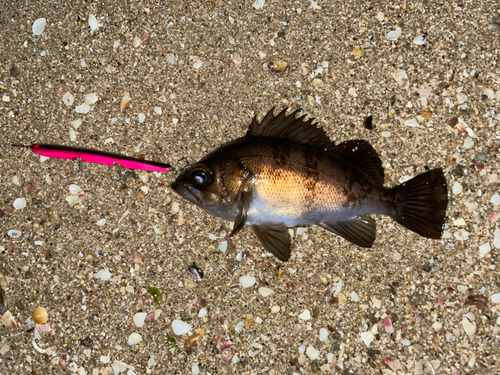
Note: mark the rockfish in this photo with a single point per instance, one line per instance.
(285, 172)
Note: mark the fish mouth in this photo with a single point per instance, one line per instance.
(184, 191)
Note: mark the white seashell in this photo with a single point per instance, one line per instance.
(275, 309)
(496, 239)
(223, 246)
(197, 64)
(134, 339)
(180, 328)
(265, 292)
(239, 327)
(247, 281)
(93, 23)
(312, 353)
(469, 327)
(139, 319)
(68, 99)
(91, 98)
(457, 188)
(15, 180)
(82, 108)
(306, 315)
(484, 249)
(412, 123)
(19, 203)
(259, 4)
(74, 189)
(14, 233)
(158, 110)
(395, 34)
(170, 58)
(495, 299)
(401, 78)
(104, 275)
(202, 313)
(495, 199)
(124, 102)
(367, 337)
(101, 222)
(39, 26)
(323, 334)
(76, 123)
(419, 40)
(72, 135)
(195, 369)
(142, 118)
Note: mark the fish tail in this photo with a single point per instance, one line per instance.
(421, 203)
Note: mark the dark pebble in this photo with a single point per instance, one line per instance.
(484, 97)
(458, 171)
(14, 70)
(87, 342)
(427, 267)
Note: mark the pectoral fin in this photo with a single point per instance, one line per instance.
(244, 202)
(275, 239)
(360, 230)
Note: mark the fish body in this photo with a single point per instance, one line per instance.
(286, 172)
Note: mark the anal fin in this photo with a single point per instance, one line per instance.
(275, 239)
(360, 230)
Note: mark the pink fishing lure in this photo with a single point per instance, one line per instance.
(98, 157)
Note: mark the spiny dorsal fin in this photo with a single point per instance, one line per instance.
(362, 155)
(293, 129)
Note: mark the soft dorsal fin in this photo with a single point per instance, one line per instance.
(362, 155)
(293, 129)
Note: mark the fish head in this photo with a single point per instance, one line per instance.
(205, 184)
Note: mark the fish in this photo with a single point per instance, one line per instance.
(285, 172)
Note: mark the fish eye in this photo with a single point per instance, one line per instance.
(201, 175)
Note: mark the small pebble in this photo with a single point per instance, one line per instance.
(275, 309)
(40, 315)
(134, 339)
(195, 369)
(74, 189)
(94, 25)
(484, 249)
(68, 99)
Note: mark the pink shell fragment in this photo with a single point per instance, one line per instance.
(493, 216)
(136, 259)
(150, 318)
(219, 339)
(226, 345)
(388, 325)
(454, 371)
(144, 36)
(461, 127)
(440, 301)
(393, 363)
(45, 328)
(425, 93)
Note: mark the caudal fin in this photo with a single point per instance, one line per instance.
(421, 203)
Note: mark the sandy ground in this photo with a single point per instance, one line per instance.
(205, 65)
